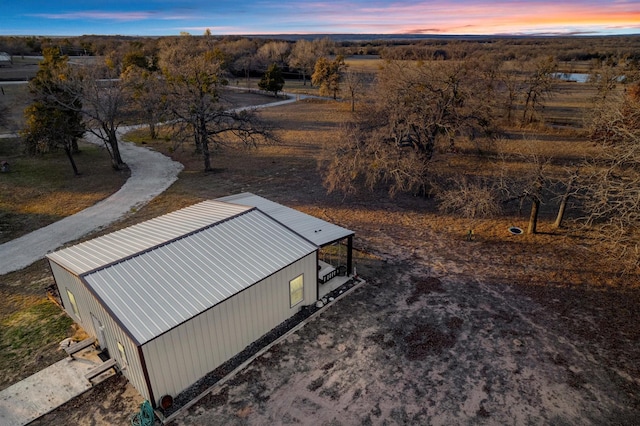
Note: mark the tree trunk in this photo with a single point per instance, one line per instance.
(565, 199)
(527, 105)
(561, 210)
(533, 218)
(152, 130)
(204, 144)
(67, 151)
(206, 156)
(116, 159)
(74, 146)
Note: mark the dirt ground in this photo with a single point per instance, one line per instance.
(112, 402)
(439, 339)
(428, 341)
(503, 329)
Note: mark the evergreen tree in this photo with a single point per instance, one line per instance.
(272, 80)
(53, 120)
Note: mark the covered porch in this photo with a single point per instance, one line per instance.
(330, 278)
(334, 265)
(335, 253)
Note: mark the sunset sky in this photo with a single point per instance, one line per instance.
(463, 17)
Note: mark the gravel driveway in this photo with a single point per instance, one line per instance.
(151, 174)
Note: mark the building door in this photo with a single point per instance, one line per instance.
(97, 325)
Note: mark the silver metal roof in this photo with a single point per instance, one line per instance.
(118, 245)
(313, 229)
(156, 290)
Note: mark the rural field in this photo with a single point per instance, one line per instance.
(499, 329)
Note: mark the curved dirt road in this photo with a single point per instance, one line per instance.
(151, 174)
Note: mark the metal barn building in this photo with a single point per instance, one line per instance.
(172, 298)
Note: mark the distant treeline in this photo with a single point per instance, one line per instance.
(392, 47)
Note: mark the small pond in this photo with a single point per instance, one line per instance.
(571, 76)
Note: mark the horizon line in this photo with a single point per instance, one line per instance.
(384, 35)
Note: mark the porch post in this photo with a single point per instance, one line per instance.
(317, 278)
(350, 255)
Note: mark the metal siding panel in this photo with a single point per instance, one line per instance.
(267, 298)
(178, 362)
(88, 305)
(223, 321)
(272, 297)
(218, 336)
(198, 356)
(183, 357)
(166, 373)
(157, 366)
(207, 346)
(239, 334)
(260, 310)
(241, 317)
(254, 310)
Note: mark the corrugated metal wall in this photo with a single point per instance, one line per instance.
(180, 357)
(88, 305)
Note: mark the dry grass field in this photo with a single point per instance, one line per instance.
(529, 329)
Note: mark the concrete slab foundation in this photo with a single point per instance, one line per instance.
(46, 390)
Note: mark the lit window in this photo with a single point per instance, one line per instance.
(123, 355)
(74, 305)
(296, 290)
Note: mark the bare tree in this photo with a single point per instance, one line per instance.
(511, 83)
(530, 183)
(571, 189)
(105, 103)
(95, 92)
(393, 138)
(612, 183)
(305, 54)
(471, 198)
(303, 57)
(273, 52)
(605, 79)
(354, 83)
(145, 89)
(242, 55)
(194, 80)
(537, 86)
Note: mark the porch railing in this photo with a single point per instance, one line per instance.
(340, 270)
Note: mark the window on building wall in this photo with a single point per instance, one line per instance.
(123, 355)
(296, 290)
(74, 305)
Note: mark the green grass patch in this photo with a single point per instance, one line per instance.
(27, 331)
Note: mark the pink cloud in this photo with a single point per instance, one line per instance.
(471, 17)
